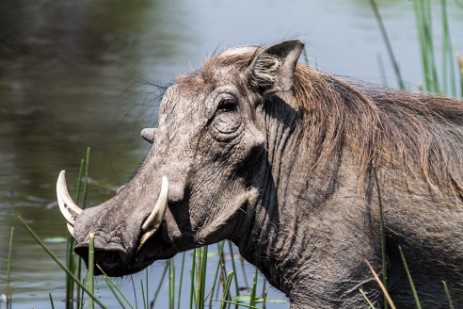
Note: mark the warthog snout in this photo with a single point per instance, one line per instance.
(109, 260)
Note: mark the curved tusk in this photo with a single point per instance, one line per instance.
(71, 230)
(157, 215)
(159, 210)
(67, 206)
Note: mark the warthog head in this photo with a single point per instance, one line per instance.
(204, 172)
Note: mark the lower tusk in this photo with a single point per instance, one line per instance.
(71, 230)
(159, 210)
(154, 220)
(144, 238)
(67, 206)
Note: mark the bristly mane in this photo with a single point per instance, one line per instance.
(420, 134)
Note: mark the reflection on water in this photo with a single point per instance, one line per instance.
(73, 73)
(70, 75)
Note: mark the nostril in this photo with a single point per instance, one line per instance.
(110, 260)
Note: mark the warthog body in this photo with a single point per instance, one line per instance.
(280, 159)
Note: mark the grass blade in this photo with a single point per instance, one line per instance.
(179, 293)
(85, 187)
(52, 304)
(171, 284)
(147, 288)
(367, 300)
(381, 285)
(202, 277)
(70, 258)
(9, 293)
(264, 293)
(90, 270)
(220, 247)
(226, 290)
(232, 259)
(145, 305)
(387, 42)
(447, 294)
(192, 277)
(115, 290)
(158, 289)
(460, 65)
(449, 77)
(410, 280)
(60, 264)
(252, 301)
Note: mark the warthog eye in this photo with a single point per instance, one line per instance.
(227, 105)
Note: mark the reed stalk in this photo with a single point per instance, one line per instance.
(367, 300)
(226, 290)
(410, 280)
(202, 278)
(52, 303)
(388, 44)
(145, 304)
(252, 300)
(83, 180)
(381, 285)
(447, 294)
(448, 68)
(192, 278)
(460, 65)
(179, 293)
(9, 290)
(220, 247)
(235, 274)
(116, 291)
(90, 271)
(171, 284)
(158, 289)
(60, 264)
(70, 257)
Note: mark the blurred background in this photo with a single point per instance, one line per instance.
(77, 73)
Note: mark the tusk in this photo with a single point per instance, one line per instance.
(157, 215)
(159, 210)
(71, 230)
(67, 206)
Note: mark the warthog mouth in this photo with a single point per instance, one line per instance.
(115, 261)
(114, 258)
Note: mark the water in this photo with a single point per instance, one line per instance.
(74, 74)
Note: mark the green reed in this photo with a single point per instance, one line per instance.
(9, 289)
(447, 294)
(388, 44)
(410, 280)
(60, 264)
(444, 82)
(90, 278)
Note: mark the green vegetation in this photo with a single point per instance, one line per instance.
(444, 83)
(440, 80)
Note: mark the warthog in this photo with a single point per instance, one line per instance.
(281, 159)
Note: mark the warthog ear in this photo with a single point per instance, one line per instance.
(272, 69)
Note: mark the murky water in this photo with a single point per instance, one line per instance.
(76, 73)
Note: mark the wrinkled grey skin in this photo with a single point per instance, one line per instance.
(226, 148)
